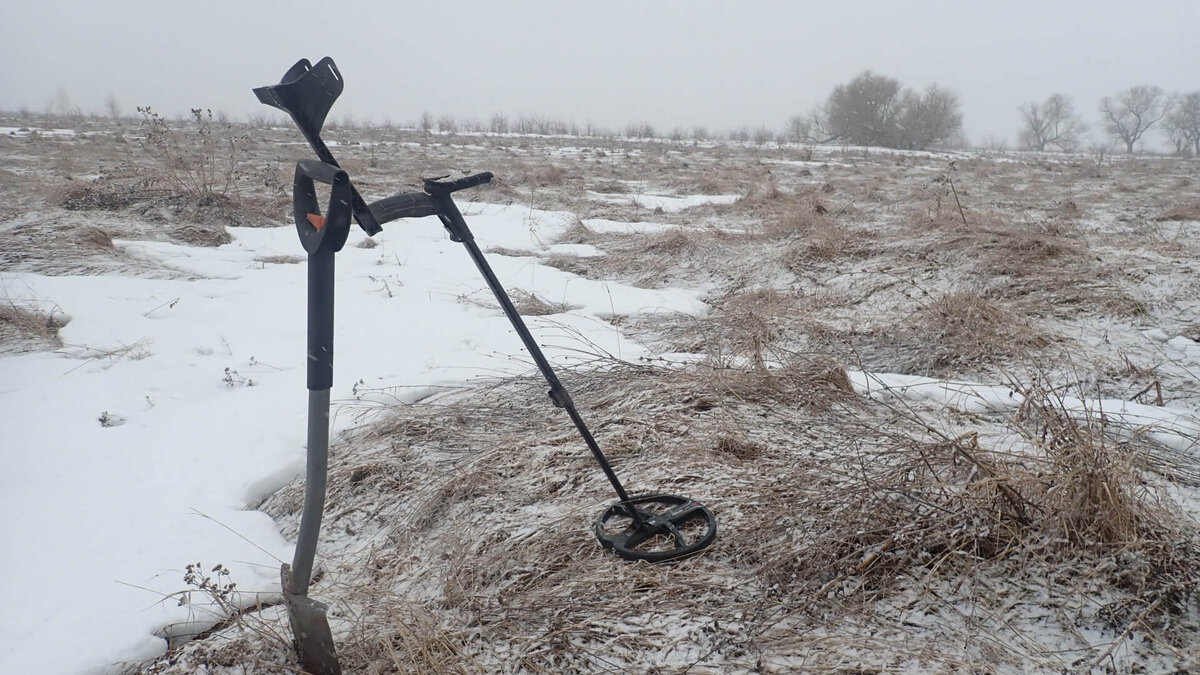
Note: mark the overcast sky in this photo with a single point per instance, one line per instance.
(719, 64)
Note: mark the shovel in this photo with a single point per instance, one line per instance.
(322, 237)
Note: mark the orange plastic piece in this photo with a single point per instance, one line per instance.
(318, 221)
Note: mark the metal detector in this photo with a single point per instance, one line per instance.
(650, 527)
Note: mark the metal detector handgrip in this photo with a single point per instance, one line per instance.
(437, 187)
(403, 205)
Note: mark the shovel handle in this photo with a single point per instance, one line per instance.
(321, 233)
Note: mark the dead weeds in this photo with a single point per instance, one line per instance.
(961, 330)
(835, 511)
(26, 329)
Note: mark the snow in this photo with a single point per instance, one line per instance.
(1174, 427)
(25, 131)
(175, 405)
(606, 226)
(665, 203)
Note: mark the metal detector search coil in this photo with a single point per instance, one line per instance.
(656, 528)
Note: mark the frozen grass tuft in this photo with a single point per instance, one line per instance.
(531, 304)
(961, 330)
(25, 329)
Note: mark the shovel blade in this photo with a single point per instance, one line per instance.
(310, 630)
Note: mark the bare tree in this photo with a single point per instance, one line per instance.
(447, 124)
(60, 105)
(1131, 113)
(995, 143)
(865, 110)
(876, 110)
(1052, 123)
(763, 135)
(113, 107)
(928, 119)
(739, 135)
(797, 129)
(810, 128)
(1182, 124)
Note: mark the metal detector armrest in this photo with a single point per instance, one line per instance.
(403, 205)
(307, 93)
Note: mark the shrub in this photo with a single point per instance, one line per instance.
(201, 159)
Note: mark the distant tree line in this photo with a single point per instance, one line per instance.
(1125, 118)
(878, 110)
(870, 109)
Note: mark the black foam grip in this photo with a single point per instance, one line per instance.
(404, 205)
(438, 187)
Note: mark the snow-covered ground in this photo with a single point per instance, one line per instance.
(1174, 427)
(176, 404)
(662, 203)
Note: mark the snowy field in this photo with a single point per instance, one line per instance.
(174, 404)
(162, 423)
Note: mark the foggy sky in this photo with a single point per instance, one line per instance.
(722, 65)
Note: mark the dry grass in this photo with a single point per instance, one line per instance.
(856, 535)
(822, 241)
(652, 260)
(282, 259)
(1038, 269)
(196, 234)
(961, 330)
(611, 187)
(546, 175)
(94, 197)
(94, 237)
(24, 329)
(527, 304)
(837, 515)
(782, 211)
(531, 304)
(673, 242)
(1182, 210)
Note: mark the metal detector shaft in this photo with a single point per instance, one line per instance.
(454, 222)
